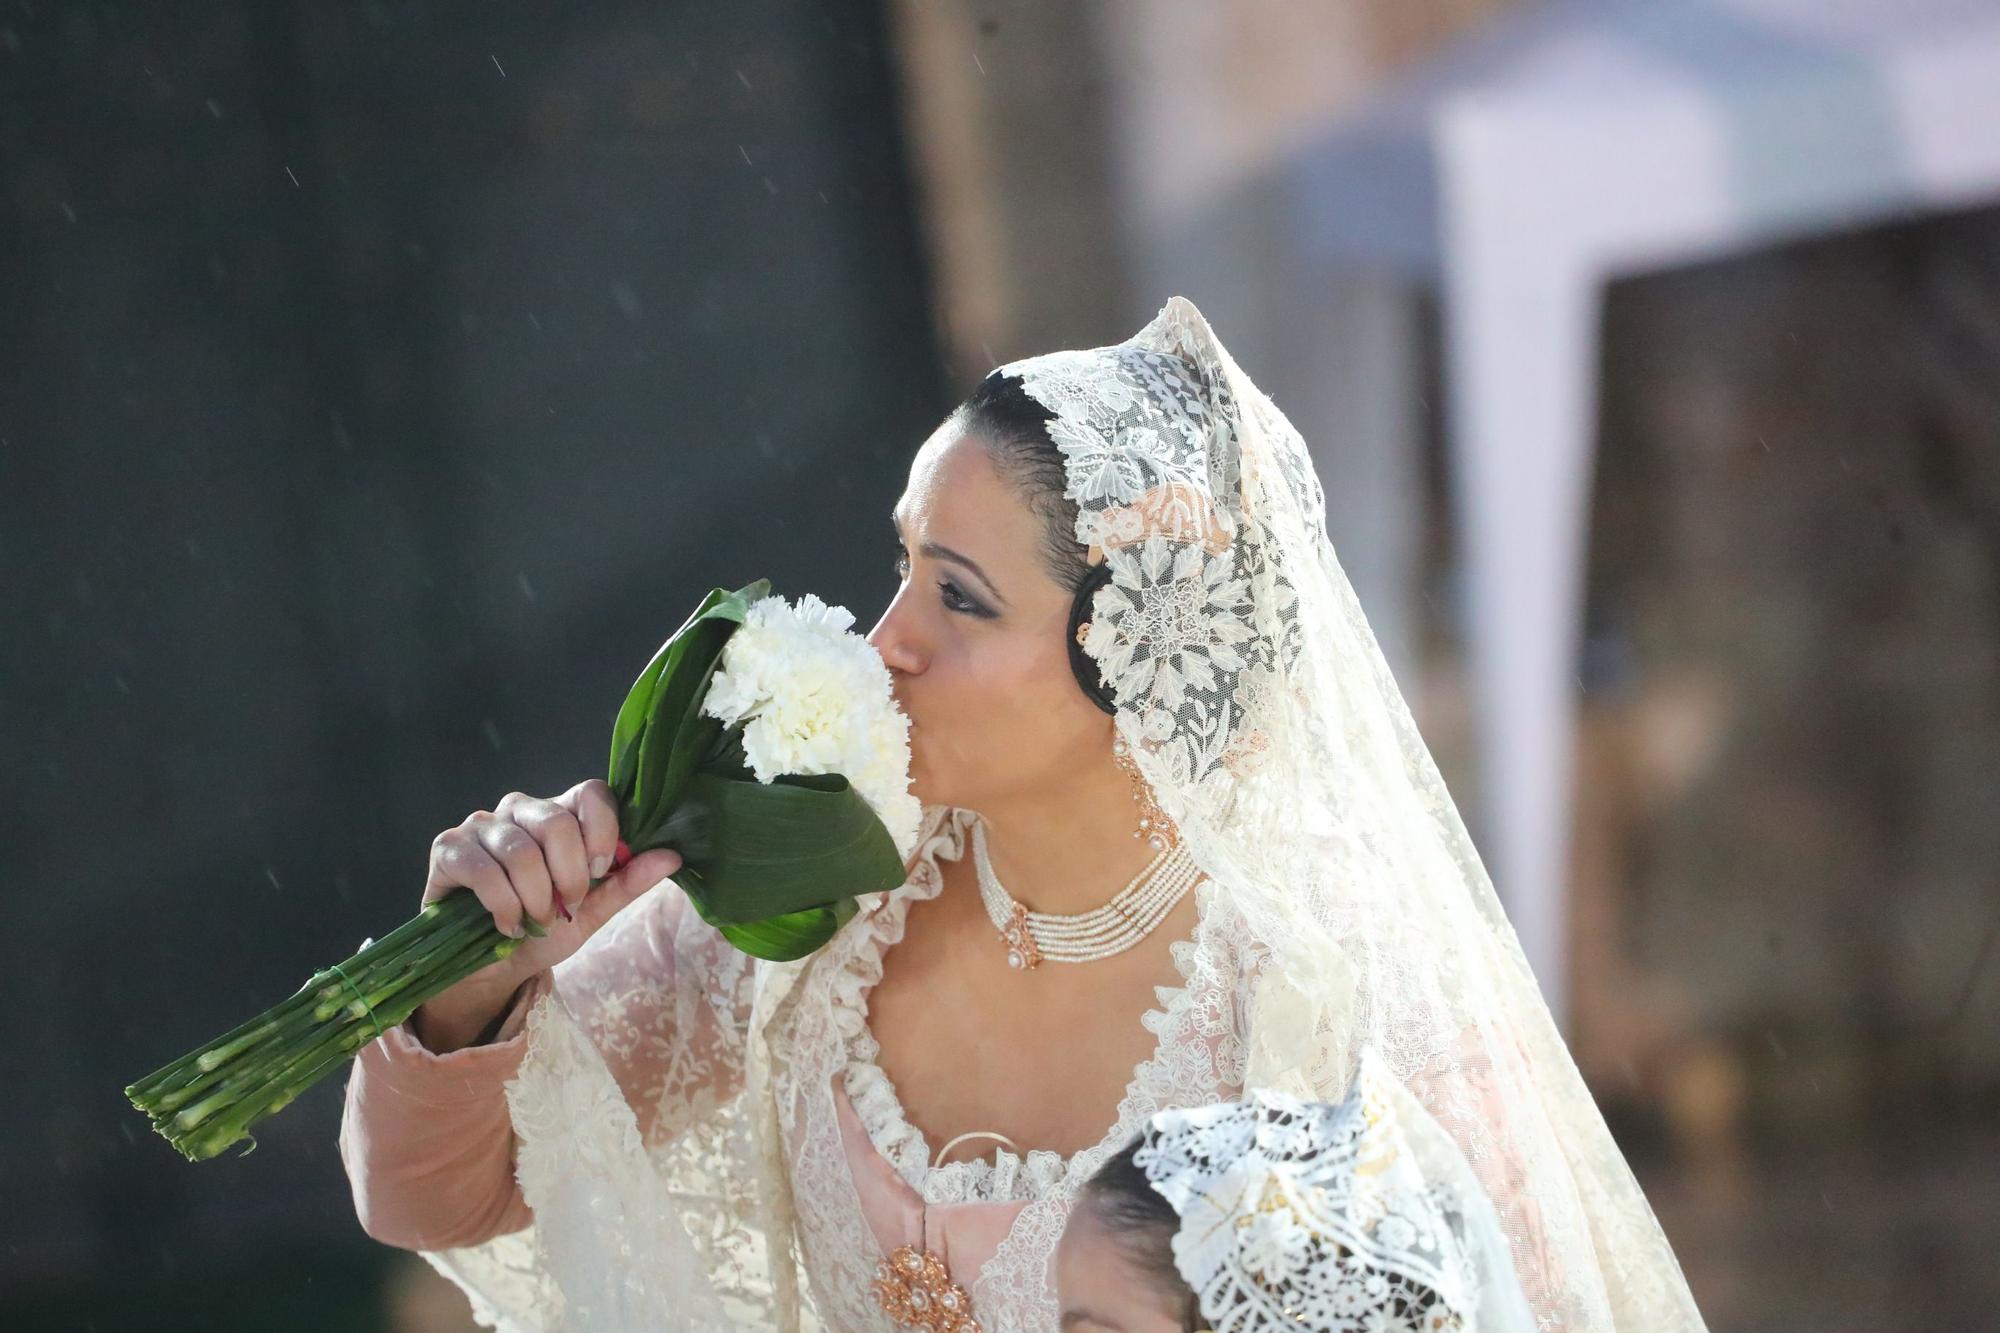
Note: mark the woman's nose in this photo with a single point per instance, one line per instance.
(892, 638)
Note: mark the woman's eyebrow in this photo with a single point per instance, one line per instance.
(937, 552)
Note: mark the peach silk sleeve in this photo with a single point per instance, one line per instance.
(427, 1140)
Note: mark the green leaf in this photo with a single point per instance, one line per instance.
(780, 939)
(752, 851)
(631, 723)
(644, 752)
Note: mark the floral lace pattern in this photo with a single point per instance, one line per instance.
(626, 1113)
(1360, 1217)
(1148, 440)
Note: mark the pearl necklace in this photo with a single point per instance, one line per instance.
(1133, 913)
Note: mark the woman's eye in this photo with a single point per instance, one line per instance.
(954, 600)
(948, 592)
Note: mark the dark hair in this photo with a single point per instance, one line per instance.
(1143, 1224)
(1014, 429)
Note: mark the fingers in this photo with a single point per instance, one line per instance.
(641, 873)
(627, 884)
(555, 828)
(521, 857)
(458, 859)
(535, 859)
(649, 868)
(596, 810)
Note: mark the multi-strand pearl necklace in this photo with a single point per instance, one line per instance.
(1135, 912)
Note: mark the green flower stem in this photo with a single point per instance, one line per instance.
(237, 1109)
(180, 1071)
(442, 923)
(202, 1094)
(306, 1035)
(191, 1079)
(285, 1025)
(368, 975)
(302, 1068)
(269, 1084)
(403, 996)
(463, 915)
(448, 938)
(209, 1098)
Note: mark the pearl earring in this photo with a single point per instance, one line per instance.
(1154, 826)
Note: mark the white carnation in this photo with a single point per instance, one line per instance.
(814, 697)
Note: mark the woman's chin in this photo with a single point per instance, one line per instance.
(925, 787)
(929, 785)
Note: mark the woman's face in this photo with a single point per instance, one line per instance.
(975, 639)
(1099, 1288)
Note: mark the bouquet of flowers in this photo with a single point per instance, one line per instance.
(761, 743)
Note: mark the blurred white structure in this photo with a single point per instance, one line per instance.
(1082, 163)
(1561, 148)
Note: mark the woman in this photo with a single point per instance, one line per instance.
(1210, 852)
(1272, 1213)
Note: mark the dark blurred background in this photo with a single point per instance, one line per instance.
(380, 382)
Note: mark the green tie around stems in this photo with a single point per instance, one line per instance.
(340, 972)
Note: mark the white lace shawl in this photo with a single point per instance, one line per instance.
(675, 1112)
(1257, 704)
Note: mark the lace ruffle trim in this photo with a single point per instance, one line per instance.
(1008, 1177)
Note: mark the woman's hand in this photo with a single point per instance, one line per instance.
(522, 859)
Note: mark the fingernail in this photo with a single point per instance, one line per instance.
(599, 866)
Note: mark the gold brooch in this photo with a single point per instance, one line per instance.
(915, 1289)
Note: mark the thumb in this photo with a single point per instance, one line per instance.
(625, 884)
